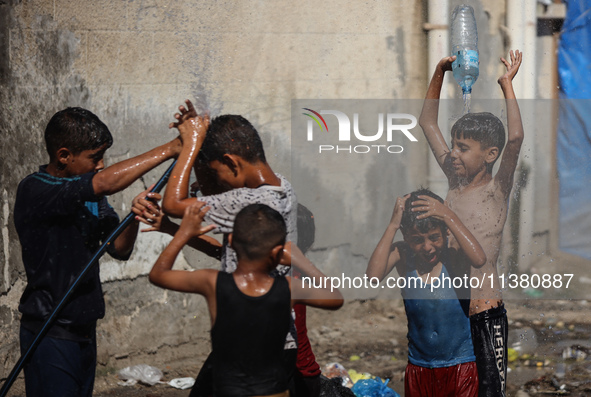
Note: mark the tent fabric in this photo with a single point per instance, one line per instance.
(574, 129)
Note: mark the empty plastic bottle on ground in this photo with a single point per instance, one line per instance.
(464, 45)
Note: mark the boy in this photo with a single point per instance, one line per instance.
(249, 299)
(231, 150)
(440, 352)
(61, 215)
(480, 201)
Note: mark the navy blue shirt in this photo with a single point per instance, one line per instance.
(60, 223)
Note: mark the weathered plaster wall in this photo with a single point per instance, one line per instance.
(132, 63)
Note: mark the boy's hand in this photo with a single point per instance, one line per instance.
(445, 64)
(431, 207)
(191, 223)
(286, 256)
(512, 67)
(145, 207)
(398, 210)
(189, 123)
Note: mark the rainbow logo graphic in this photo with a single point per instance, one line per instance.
(318, 116)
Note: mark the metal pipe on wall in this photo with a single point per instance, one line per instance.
(438, 46)
(522, 26)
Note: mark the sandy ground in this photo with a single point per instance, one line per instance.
(370, 336)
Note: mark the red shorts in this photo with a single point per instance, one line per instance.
(458, 380)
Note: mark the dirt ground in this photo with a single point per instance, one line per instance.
(551, 339)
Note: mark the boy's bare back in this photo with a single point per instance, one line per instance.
(479, 199)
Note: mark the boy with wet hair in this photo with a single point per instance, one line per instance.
(440, 352)
(481, 200)
(250, 299)
(61, 216)
(232, 134)
(231, 150)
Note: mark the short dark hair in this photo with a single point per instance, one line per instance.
(76, 129)
(483, 127)
(257, 230)
(409, 218)
(306, 228)
(232, 134)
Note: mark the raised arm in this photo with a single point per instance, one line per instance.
(304, 292)
(200, 281)
(466, 240)
(122, 174)
(504, 176)
(430, 113)
(192, 129)
(149, 212)
(384, 258)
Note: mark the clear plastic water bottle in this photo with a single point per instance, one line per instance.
(464, 45)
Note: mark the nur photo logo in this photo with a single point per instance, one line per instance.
(390, 126)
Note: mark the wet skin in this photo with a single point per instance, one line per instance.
(428, 248)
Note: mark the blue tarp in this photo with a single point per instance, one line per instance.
(574, 129)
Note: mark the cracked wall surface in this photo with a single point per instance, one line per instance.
(132, 63)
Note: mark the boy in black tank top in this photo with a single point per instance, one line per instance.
(249, 309)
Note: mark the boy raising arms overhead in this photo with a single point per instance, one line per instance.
(440, 352)
(480, 200)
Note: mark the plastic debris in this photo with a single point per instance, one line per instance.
(356, 376)
(336, 370)
(373, 388)
(333, 388)
(512, 354)
(139, 373)
(578, 353)
(182, 383)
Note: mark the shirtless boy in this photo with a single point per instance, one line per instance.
(249, 299)
(480, 200)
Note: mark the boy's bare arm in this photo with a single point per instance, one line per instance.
(383, 259)
(514, 124)
(123, 245)
(162, 275)
(149, 212)
(430, 113)
(122, 174)
(316, 297)
(192, 130)
(321, 298)
(466, 240)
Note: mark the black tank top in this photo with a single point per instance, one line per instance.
(248, 338)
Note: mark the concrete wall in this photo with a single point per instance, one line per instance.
(132, 63)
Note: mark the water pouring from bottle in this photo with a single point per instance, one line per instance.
(464, 45)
